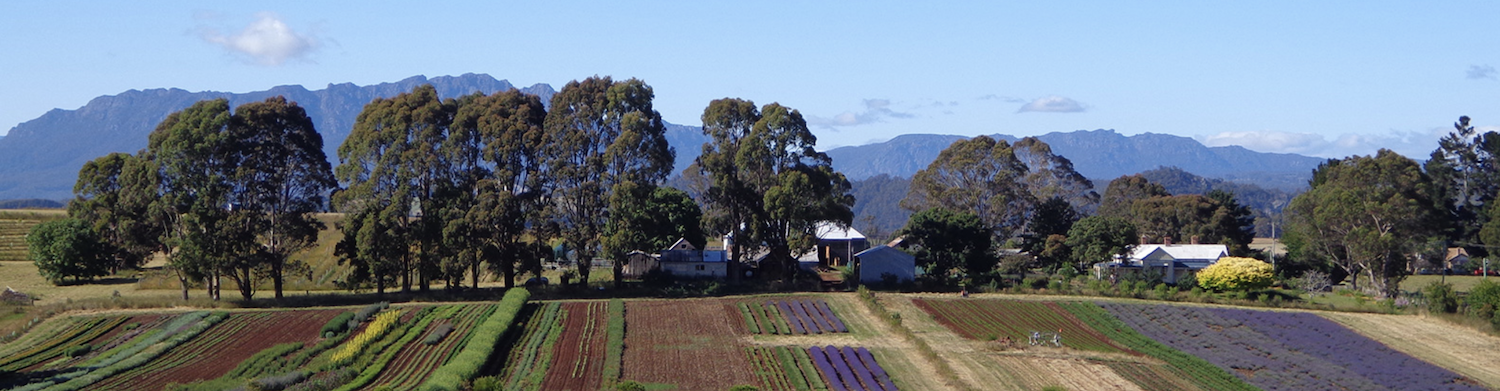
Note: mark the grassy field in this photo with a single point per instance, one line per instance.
(1460, 283)
(15, 223)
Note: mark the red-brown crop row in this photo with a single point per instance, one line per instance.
(78, 335)
(577, 362)
(417, 360)
(994, 319)
(691, 343)
(221, 348)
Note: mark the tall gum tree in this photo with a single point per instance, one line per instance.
(282, 177)
(600, 133)
(980, 175)
(189, 150)
(510, 128)
(769, 184)
(393, 160)
(1366, 215)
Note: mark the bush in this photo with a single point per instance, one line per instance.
(630, 385)
(279, 382)
(438, 333)
(338, 324)
(1237, 274)
(1441, 297)
(743, 387)
(487, 383)
(79, 351)
(1483, 299)
(370, 310)
(1164, 292)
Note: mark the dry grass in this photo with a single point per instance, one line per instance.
(1457, 348)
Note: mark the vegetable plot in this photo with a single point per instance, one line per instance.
(797, 316)
(692, 343)
(850, 369)
(1286, 350)
(995, 319)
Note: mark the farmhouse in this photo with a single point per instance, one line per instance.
(837, 245)
(1166, 260)
(874, 264)
(682, 259)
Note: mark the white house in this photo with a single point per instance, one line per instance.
(1170, 260)
(685, 260)
(881, 260)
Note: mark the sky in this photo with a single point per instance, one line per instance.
(1324, 78)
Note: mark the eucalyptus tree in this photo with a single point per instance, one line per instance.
(188, 148)
(982, 175)
(1050, 175)
(600, 133)
(114, 195)
(508, 127)
(769, 184)
(393, 160)
(280, 181)
(1466, 169)
(1366, 214)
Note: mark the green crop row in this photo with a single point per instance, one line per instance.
(370, 372)
(614, 342)
(532, 366)
(1199, 371)
(465, 365)
(125, 360)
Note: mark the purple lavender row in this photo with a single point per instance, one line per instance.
(860, 369)
(880, 375)
(826, 368)
(791, 318)
(842, 367)
(1322, 338)
(838, 325)
(816, 316)
(813, 326)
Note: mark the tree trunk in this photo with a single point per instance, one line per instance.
(619, 266)
(182, 280)
(276, 278)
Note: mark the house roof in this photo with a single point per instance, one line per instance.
(681, 244)
(884, 254)
(828, 230)
(1181, 252)
(1455, 252)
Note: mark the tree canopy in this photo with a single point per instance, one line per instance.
(948, 242)
(67, 248)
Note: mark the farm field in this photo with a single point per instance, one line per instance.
(1277, 350)
(941, 343)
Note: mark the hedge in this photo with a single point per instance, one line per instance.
(466, 364)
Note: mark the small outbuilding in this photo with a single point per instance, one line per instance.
(879, 261)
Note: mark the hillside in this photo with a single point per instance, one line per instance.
(1097, 154)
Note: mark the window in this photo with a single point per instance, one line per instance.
(700, 267)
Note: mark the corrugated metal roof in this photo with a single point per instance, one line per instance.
(828, 230)
(1181, 252)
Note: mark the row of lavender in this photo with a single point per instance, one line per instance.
(850, 369)
(1286, 350)
(809, 316)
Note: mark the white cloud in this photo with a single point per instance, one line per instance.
(876, 110)
(1412, 144)
(1480, 72)
(1053, 104)
(266, 41)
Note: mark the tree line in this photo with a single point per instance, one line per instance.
(441, 189)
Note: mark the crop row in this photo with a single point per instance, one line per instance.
(426, 358)
(76, 337)
(578, 359)
(387, 350)
(373, 331)
(850, 369)
(614, 342)
(784, 369)
(465, 365)
(1197, 370)
(180, 330)
(1016, 320)
(143, 376)
(694, 344)
(799, 316)
(1286, 350)
(528, 360)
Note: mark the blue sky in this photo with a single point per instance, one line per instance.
(1319, 78)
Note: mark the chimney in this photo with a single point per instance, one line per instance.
(1145, 239)
(1194, 239)
(1166, 240)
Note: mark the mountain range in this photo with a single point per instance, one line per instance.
(40, 158)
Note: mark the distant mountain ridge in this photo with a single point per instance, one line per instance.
(1097, 154)
(41, 158)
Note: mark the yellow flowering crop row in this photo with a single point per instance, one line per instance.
(375, 330)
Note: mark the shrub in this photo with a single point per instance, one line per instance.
(1237, 274)
(279, 382)
(743, 387)
(1441, 297)
(338, 324)
(630, 385)
(369, 310)
(438, 333)
(487, 383)
(1483, 299)
(79, 351)
(1164, 292)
